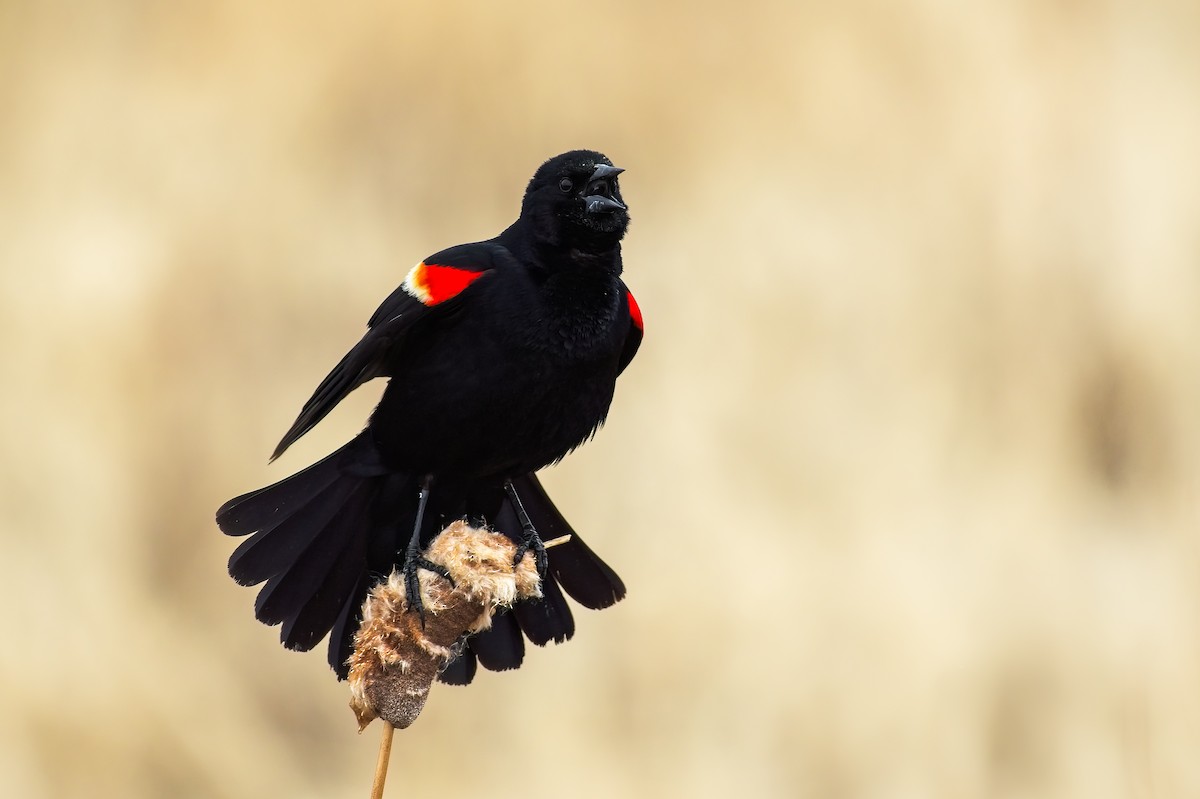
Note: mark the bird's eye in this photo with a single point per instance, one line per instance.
(566, 185)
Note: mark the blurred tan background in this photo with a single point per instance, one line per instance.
(904, 483)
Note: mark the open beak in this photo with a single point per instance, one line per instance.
(599, 193)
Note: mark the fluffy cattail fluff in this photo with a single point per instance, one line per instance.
(395, 661)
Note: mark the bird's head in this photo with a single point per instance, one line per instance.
(574, 200)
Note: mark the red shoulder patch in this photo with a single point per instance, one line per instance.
(434, 283)
(635, 313)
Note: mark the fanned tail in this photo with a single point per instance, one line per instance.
(309, 538)
(320, 539)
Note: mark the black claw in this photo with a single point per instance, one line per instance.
(436, 568)
(412, 590)
(533, 542)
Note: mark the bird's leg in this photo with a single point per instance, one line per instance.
(529, 534)
(413, 558)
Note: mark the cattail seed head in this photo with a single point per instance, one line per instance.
(395, 661)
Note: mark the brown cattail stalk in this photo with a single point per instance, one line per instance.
(381, 764)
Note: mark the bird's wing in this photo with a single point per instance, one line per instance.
(431, 289)
(633, 339)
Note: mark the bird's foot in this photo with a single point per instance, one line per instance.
(532, 542)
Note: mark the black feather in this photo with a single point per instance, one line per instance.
(341, 639)
(305, 629)
(546, 619)
(276, 547)
(364, 362)
(501, 646)
(461, 670)
(261, 509)
(286, 593)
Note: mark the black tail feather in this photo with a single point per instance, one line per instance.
(286, 593)
(500, 647)
(309, 544)
(341, 539)
(263, 509)
(341, 639)
(273, 549)
(461, 670)
(305, 629)
(586, 579)
(546, 619)
(322, 537)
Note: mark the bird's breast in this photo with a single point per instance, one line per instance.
(577, 317)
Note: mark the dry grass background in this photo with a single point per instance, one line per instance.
(904, 482)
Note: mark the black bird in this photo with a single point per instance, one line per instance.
(502, 357)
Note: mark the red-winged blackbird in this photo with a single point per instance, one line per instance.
(503, 356)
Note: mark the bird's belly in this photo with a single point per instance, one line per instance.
(485, 410)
